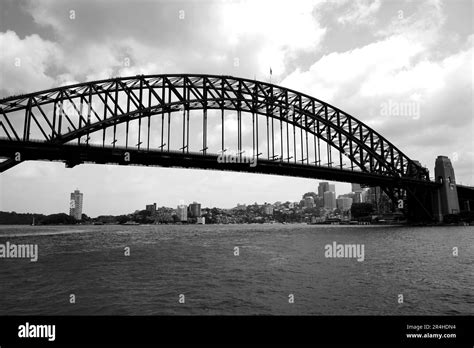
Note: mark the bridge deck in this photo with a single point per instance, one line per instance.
(73, 154)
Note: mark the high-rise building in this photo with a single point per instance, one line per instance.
(329, 200)
(379, 200)
(182, 212)
(344, 203)
(75, 205)
(363, 196)
(371, 196)
(356, 188)
(326, 187)
(323, 187)
(319, 202)
(151, 208)
(195, 209)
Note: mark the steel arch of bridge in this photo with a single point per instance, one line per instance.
(150, 95)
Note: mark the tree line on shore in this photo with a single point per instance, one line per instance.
(13, 218)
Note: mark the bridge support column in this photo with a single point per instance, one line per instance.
(419, 199)
(447, 196)
(419, 204)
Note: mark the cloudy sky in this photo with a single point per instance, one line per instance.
(365, 57)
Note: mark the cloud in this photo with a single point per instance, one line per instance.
(361, 12)
(25, 63)
(339, 75)
(424, 23)
(281, 28)
(401, 69)
(211, 35)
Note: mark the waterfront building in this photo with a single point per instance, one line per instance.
(268, 209)
(323, 187)
(151, 208)
(356, 188)
(344, 203)
(182, 212)
(358, 197)
(75, 205)
(329, 200)
(379, 200)
(195, 210)
(319, 202)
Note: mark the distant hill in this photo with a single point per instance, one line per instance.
(13, 218)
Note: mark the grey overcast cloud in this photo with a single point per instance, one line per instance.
(361, 56)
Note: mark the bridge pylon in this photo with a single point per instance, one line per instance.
(446, 198)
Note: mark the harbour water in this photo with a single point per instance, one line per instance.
(275, 270)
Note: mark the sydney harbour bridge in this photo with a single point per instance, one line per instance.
(186, 120)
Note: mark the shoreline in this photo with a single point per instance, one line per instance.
(259, 224)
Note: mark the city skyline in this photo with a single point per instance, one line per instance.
(184, 209)
(98, 204)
